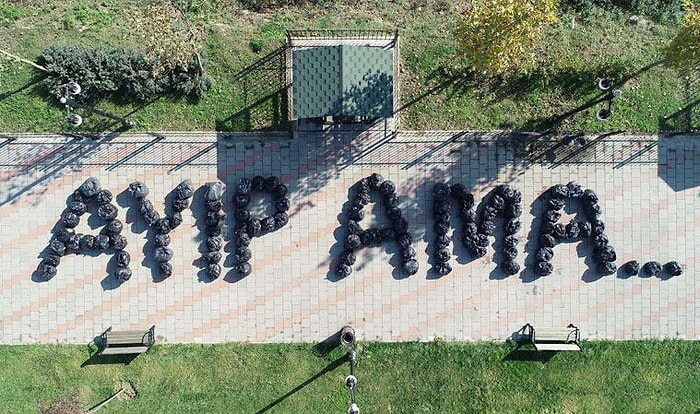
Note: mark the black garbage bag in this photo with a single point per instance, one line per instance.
(241, 201)
(104, 197)
(441, 191)
(241, 226)
(404, 240)
(511, 241)
(589, 197)
(391, 200)
(281, 220)
(123, 258)
(481, 239)
(184, 190)
(343, 270)
(443, 217)
(214, 205)
(572, 231)
(213, 218)
(47, 272)
(442, 255)
(443, 268)
(146, 206)
(410, 266)
(90, 187)
(118, 242)
(241, 238)
(489, 213)
(513, 226)
(560, 231)
(214, 191)
(547, 240)
(268, 224)
(470, 229)
(101, 242)
(214, 244)
(138, 190)
(163, 254)
(556, 203)
(214, 257)
(408, 253)
(593, 211)
(387, 187)
(216, 230)
(441, 207)
(64, 234)
(87, 242)
(271, 183)
(459, 191)
(244, 186)
(162, 240)
(468, 215)
(77, 207)
(515, 198)
(400, 225)
(353, 241)
(552, 216)
(388, 234)
(73, 245)
(510, 253)
(505, 191)
(604, 254)
(353, 227)
(162, 226)
(374, 181)
(544, 254)
(356, 214)
(114, 227)
(487, 227)
(69, 219)
(258, 183)
(360, 199)
(497, 202)
(476, 251)
(631, 267)
(513, 211)
(151, 217)
(575, 189)
(166, 269)
(371, 237)
(559, 191)
(213, 270)
(51, 260)
(244, 269)
(467, 203)
(239, 215)
(107, 211)
(180, 204)
(652, 268)
(78, 196)
(282, 205)
(600, 241)
(175, 220)
(673, 268)
(122, 273)
(442, 241)
(544, 269)
(584, 228)
(348, 257)
(441, 227)
(255, 227)
(606, 268)
(597, 227)
(510, 267)
(280, 191)
(243, 254)
(547, 228)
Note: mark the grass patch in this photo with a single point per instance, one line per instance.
(635, 376)
(437, 91)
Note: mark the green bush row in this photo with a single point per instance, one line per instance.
(120, 73)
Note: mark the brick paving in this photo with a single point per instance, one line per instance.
(649, 189)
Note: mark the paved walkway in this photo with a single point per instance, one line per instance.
(649, 190)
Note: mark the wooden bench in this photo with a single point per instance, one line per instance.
(127, 342)
(552, 339)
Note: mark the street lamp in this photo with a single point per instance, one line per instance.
(72, 89)
(606, 84)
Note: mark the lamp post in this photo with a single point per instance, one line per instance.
(347, 339)
(72, 89)
(606, 84)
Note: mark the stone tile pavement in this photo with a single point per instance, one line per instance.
(649, 189)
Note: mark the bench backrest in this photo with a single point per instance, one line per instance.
(564, 335)
(141, 337)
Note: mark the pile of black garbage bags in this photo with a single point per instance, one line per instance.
(357, 237)
(215, 225)
(162, 226)
(66, 241)
(652, 268)
(248, 227)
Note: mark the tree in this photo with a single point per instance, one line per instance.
(684, 50)
(500, 36)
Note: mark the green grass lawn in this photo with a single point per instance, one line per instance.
(608, 377)
(436, 89)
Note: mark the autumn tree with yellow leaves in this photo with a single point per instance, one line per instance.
(684, 50)
(498, 37)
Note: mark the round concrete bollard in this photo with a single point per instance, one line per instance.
(347, 336)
